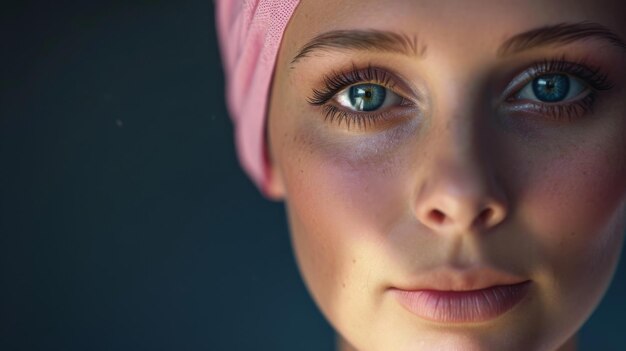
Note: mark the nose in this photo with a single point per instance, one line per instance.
(458, 189)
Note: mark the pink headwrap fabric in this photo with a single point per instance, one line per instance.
(250, 33)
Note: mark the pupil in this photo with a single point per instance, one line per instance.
(551, 87)
(367, 97)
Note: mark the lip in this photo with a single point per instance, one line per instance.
(468, 297)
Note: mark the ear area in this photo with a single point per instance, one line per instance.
(274, 188)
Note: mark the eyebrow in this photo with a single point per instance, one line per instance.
(559, 34)
(362, 40)
(386, 41)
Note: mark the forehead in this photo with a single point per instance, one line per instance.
(456, 25)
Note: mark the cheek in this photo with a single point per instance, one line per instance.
(340, 182)
(579, 192)
(573, 206)
(580, 186)
(341, 196)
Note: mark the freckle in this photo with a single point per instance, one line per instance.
(353, 261)
(572, 234)
(343, 285)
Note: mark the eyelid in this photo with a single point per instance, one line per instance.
(577, 88)
(380, 119)
(337, 81)
(390, 96)
(591, 76)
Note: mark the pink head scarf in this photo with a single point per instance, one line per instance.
(250, 32)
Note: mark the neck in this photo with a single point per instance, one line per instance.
(569, 345)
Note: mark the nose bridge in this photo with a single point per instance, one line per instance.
(457, 188)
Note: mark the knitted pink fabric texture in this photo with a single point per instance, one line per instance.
(250, 33)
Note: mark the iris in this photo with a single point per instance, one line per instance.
(367, 97)
(551, 87)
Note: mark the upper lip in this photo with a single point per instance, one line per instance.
(451, 279)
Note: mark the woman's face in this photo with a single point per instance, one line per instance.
(424, 147)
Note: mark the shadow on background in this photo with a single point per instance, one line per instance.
(125, 220)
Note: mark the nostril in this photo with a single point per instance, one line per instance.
(437, 216)
(484, 217)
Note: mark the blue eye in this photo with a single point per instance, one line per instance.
(551, 87)
(366, 97)
(555, 87)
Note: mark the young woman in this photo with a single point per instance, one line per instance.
(454, 172)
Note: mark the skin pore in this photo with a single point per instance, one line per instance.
(461, 168)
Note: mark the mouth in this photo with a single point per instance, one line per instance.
(462, 306)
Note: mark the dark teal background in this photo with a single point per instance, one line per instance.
(125, 220)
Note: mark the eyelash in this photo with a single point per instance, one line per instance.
(338, 81)
(592, 76)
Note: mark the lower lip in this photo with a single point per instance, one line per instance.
(462, 306)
